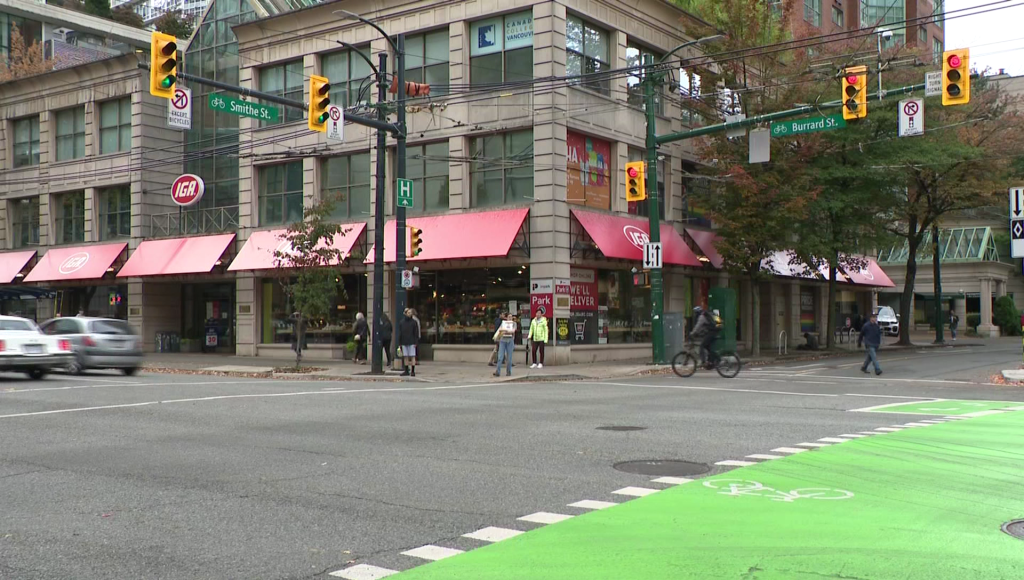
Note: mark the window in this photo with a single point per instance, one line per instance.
(501, 171)
(70, 133)
(922, 34)
(348, 73)
(936, 49)
(25, 221)
(838, 17)
(116, 125)
(939, 12)
(812, 12)
(642, 208)
(346, 181)
(586, 53)
(286, 80)
(883, 13)
(427, 167)
(26, 142)
(69, 222)
(689, 89)
(115, 213)
(635, 93)
(280, 193)
(501, 49)
(426, 60)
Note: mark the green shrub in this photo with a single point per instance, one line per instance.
(350, 346)
(1006, 316)
(973, 320)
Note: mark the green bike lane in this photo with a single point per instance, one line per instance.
(923, 502)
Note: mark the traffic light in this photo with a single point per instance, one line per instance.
(415, 241)
(635, 190)
(855, 92)
(956, 77)
(163, 65)
(411, 89)
(319, 89)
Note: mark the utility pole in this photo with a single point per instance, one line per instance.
(400, 294)
(376, 363)
(654, 210)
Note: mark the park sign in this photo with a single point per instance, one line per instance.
(807, 125)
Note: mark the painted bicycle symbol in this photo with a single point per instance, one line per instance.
(738, 487)
(218, 102)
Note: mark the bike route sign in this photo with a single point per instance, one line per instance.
(219, 102)
(807, 125)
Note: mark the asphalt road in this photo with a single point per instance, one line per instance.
(185, 476)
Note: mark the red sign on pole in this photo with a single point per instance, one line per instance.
(187, 190)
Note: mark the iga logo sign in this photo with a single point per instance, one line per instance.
(187, 189)
(636, 236)
(74, 263)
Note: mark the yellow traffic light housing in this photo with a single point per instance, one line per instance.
(855, 92)
(319, 89)
(415, 241)
(956, 77)
(635, 187)
(163, 65)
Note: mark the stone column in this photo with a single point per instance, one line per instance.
(986, 328)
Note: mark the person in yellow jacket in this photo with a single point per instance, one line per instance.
(538, 336)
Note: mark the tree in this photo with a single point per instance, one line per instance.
(125, 15)
(309, 269)
(99, 8)
(24, 61)
(176, 24)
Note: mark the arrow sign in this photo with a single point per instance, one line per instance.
(1015, 194)
(652, 255)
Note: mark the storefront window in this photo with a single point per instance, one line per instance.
(588, 171)
(277, 324)
(607, 308)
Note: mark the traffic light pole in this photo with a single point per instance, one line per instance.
(654, 213)
(936, 260)
(376, 364)
(400, 294)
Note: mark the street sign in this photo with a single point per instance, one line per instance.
(187, 190)
(809, 125)
(738, 132)
(933, 83)
(652, 255)
(335, 124)
(1016, 209)
(760, 146)
(1017, 238)
(179, 109)
(224, 103)
(406, 278)
(911, 117)
(404, 197)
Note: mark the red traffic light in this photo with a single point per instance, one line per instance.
(954, 61)
(852, 79)
(632, 172)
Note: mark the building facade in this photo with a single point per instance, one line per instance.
(817, 17)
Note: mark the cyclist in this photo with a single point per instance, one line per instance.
(705, 330)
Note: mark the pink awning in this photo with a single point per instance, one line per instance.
(258, 251)
(624, 238)
(485, 234)
(783, 264)
(706, 240)
(12, 263)
(76, 263)
(870, 275)
(196, 255)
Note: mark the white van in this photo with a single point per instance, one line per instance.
(888, 320)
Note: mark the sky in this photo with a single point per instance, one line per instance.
(996, 38)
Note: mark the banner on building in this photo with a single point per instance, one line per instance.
(588, 165)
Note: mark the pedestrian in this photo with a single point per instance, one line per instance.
(493, 359)
(538, 336)
(505, 336)
(359, 335)
(954, 320)
(871, 336)
(385, 336)
(408, 339)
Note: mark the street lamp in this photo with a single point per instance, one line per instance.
(691, 43)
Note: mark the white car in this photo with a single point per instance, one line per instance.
(888, 320)
(23, 348)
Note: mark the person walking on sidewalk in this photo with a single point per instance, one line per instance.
(538, 336)
(871, 336)
(505, 336)
(954, 320)
(360, 333)
(409, 339)
(385, 336)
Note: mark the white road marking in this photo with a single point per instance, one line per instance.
(432, 552)
(852, 435)
(764, 456)
(735, 463)
(869, 432)
(932, 421)
(593, 504)
(788, 450)
(125, 384)
(1014, 409)
(814, 444)
(924, 399)
(889, 429)
(363, 572)
(492, 534)
(984, 413)
(635, 491)
(805, 366)
(782, 381)
(672, 480)
(887, 405)
(914, 425)
(545, 518)
(693, 388)
(833, 440)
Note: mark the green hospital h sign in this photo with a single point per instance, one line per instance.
(404, 197)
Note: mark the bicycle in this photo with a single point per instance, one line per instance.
(727, 363)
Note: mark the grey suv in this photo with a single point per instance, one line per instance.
(98, 343)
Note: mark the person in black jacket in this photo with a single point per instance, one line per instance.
(871, 336)
(359, 335)
(385, 335)
(408, 339)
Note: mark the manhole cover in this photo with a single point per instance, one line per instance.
(620, 428)
(1014, 528)
(662, 467)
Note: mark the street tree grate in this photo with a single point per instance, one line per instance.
(663, 467)
(620, 428)
(1015, 528)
